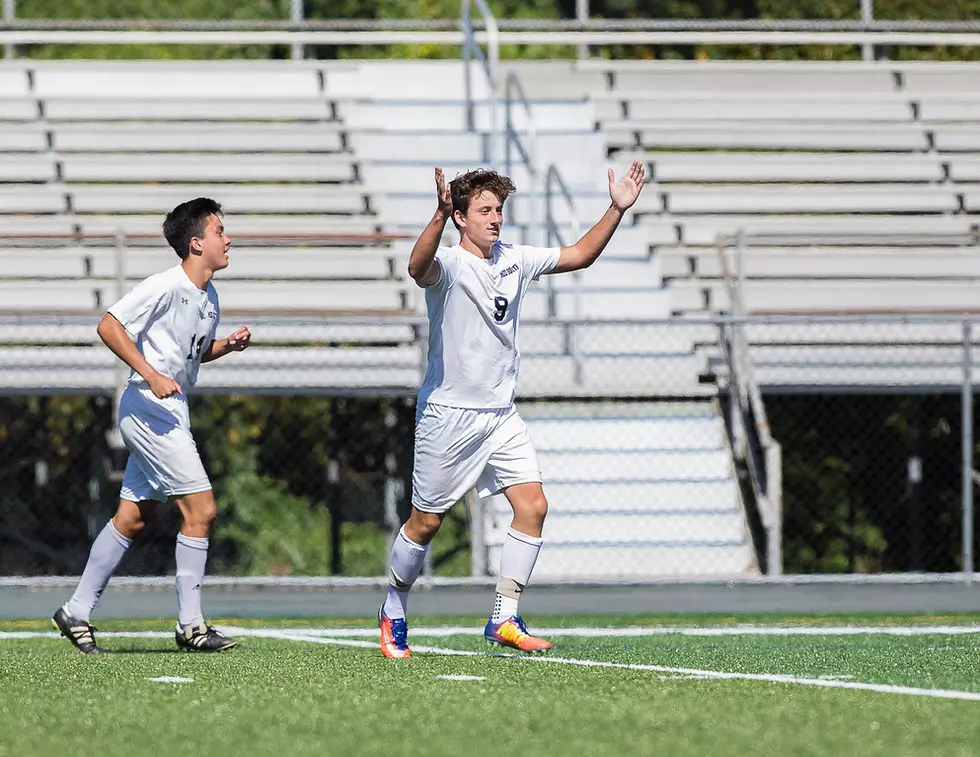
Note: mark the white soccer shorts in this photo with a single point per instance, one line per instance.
(163, 457)
(457, 449)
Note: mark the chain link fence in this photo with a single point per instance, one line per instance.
(642, 442)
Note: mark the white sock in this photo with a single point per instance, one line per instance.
(504, 607)
(517, 558)
(107, 550)
(407, 558)
(192, 556)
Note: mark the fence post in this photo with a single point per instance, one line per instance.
(9, 14)
(582, 15)
(774, 493)
(121, 371)
(740, 263)
(478, 540)
(867, 16)
(967, 439)
(296, 16)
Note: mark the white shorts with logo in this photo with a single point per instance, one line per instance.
(458, 448)
(163, 457)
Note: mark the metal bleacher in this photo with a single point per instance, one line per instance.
(858, 186)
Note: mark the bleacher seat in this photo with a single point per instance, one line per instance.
(136, 109)
(18, 109)
(236, 198)
(259, 137)
(17, 138)
(210, 83)
(709, 167)
(209, 167)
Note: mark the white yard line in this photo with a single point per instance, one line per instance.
(622, 632)
(98, 634)
(704, 674)
(461, 678)
(640, 631)
(327, 636)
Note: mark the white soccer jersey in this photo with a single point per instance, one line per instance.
(473, 312)
(173, 322)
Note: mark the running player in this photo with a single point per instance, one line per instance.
(467, 431)
(172, 316)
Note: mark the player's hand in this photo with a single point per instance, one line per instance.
(625, 191)
(163, 386)
(442, 194)
(240, 340)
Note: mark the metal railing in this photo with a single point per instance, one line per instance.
(752, 443)
(553, 237)
(308, 34)
(489, 63)
(513, 142)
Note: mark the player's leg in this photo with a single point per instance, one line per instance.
(73, 619)
(513, 469)
(449, 457)
(198, 512)
(518, 555)
(407, 558)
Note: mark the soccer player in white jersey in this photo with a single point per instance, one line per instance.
(172, 316)
(468, 433)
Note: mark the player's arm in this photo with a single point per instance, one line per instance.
(622, 194)
(422, 264)
(237, 342)
(113, 333)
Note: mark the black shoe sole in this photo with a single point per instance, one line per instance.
(229, 645)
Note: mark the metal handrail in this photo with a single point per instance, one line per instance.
(493, 38)
(110, 238)
(553, 234)
(751, 434)
(12, 23)
(512, 139)
(490, 62)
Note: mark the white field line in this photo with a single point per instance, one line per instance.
(624, 632)
(705, 674)
(461, 678)
(639, 631)
(99, 635)
(303, 636)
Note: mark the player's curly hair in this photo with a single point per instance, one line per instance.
(464, 188)
(187, 221)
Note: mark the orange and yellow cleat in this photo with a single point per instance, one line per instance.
(394, 636)
(513, 633)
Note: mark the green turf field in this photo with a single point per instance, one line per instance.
(768, 685)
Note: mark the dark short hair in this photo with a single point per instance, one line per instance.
(187, 221)
(464, 188)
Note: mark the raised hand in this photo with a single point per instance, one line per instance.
(163, 386)
(240, 340)
(442, 194)
(624, 192)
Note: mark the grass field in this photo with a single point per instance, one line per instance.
(771, 685)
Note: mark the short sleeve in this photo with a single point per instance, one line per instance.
(147, 301)
(448, 266)
(213, 296)
(539, 260)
